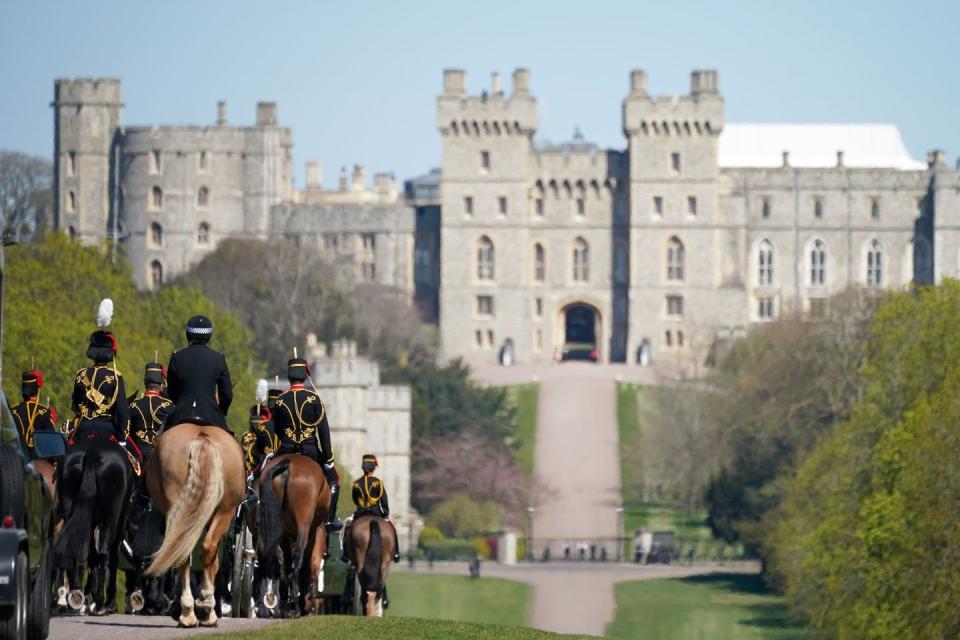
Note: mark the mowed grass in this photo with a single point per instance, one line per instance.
(351, 628)
(487, 600)
(525, 398)
(727, 607)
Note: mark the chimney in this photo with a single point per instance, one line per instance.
(221, 114)
(521, 82)
(703, 82)
(936, 158)
(314, 175)
(454, 82)
(839, 158)
(495, 89)
(266, 114)
(786, 159)
(638, 82)
(359, 183)
(343, 182)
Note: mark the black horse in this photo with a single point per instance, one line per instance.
(94, 488)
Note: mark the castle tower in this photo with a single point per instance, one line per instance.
(487, 150)
(86, 120)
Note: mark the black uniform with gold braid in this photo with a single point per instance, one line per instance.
(300, 424)
(258, 440)
(99, 395)
(30, 416)
(149, 412)
(370, 496)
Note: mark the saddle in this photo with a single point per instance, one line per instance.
(112, 439)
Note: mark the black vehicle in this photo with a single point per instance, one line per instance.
(578, 351)
(26, 526)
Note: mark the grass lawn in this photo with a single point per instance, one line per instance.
(344, 628)
(525, 398)
(727, 607)
(460, 598)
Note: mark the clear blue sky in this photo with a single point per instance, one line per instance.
(357, 80)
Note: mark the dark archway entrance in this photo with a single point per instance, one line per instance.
(581, 329)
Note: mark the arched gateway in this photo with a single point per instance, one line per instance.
(581, 335)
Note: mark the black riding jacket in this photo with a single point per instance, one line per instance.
(198, 383)
(31, 416)
(370, 497)
(100, 400)
(300, 424)
(147, 416)
(257, 442)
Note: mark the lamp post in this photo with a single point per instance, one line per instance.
(620, 536)
(530, 512)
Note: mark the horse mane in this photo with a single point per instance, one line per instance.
(370, 578)
(188, 517)
(270, 526)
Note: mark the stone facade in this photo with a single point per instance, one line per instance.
(688, 236)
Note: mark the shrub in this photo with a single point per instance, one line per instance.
(451, 550)
(459, 516)
(481, 547)
(430, 535)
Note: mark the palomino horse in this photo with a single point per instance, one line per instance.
(94, 485)
(195, 476)
(294, 500)
(371, 545)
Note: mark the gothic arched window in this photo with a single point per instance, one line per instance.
(765, 263)
(875, 264)
(539, 263)
(203, 197)
(203, 233)
(818, 263)
(675, 260)
(156, 234)
(156, 274)
(581, 260)
(156, 198)
(485, 259)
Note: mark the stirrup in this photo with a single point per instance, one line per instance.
(334, 525)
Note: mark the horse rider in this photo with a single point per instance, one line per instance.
(259, 440)
(99, 395)
(370, 497)
(149, 412)
(30, 415)
(198, 381)
(300, 424)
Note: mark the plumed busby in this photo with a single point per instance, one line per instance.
(154, 373)
(297, 370)
(199, 329)
(103, 344)
(30, 383)
(369, 463)
(272, 395)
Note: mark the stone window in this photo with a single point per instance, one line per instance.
(765, 308)
(203, 233)
(581, 260)
(369, 241)
(490, 338)
(71, 201)
(156, 162)
(156, 198)
(668, 338)
(156, 234)
(502, 205)
(330, 241)
(818, 263)
(818, 207)
(675, 162)
(692, 205)
(581, 207)
(875, 208)
(658, 205)
(875, 264)
(485, 259)
(675, 260)
(679, 338)
(203, 162)
(539, 263)
(478, 337)
(156, 274)
(72, 163)
(485, 160)
(765, 207)
(485, 306)
(538, 307)
(72, 232)
(675, 306)
(538, 206)
(468, 205)
(203, 197)
(368, 271)
(765, 263)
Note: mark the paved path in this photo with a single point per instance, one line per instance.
(124, 627)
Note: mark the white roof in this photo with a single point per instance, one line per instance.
(814, 145)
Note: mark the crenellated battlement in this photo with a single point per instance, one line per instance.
(699, 113)
(489, 113)
(87, 91)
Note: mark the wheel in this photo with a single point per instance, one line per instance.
(41, 597)
(11, 485)
(357, 596)
(241, 579)
(13, 619)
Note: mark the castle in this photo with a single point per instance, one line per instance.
(693, 232)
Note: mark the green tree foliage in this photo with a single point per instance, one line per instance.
(867, 537)
(459, 516)
(52, 289)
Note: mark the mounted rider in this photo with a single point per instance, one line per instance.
(99, 395)
(149, 412)
(370, 497)
(198, 380)
(300, 424)
(258, 441)
(30, 415)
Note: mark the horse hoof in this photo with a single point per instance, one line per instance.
(211, 620)
(187, 622)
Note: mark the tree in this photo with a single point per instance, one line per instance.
(25, 193)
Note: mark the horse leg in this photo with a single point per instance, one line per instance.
(293, 574)
(317, 563)
(371, 608)
(187, 617)
(211, 564)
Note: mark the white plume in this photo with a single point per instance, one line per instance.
(261, 391)
(105, 313)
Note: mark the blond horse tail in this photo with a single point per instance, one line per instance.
(189, 515)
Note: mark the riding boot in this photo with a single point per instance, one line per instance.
(384, 598)
(333, 522)
(250, 499)
(396, 545)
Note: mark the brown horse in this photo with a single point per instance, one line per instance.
(371, 548)
(196, 477)
(294, 500)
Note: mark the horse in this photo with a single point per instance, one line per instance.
(196, 478)
(94, 486)
(294, 501)
(372, 553)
